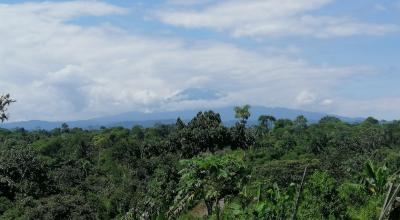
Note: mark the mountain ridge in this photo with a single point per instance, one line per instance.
(129, 119)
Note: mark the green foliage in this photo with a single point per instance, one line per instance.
(241, 137)
(200, 169)
(209, 178)
(370, 210)
(320, 200)
(278, 203)
(242, 113)
(352, 194)
(264, 203)
(360, 205)
(22, 174)
(5, 101)
(5, 204)
(266, 123)
(204, 132)
(376, 178)
(63, 207)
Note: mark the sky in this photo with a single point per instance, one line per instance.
(70, 60)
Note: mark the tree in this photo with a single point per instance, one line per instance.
(21, 172)
(266, 121)
(5, 101)
(329, 119)
(371, 121)
(209, 178)
(205, 132)
(242, 113)
(180, 124)
(282, 123)
(240, 137)
(63, 207)
(64, 128)
(300, 123)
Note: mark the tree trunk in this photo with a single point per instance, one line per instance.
(297, 202)
(217, 208)
(209, 205)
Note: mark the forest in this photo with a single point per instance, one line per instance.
(202, 169)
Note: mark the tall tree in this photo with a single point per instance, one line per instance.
(300, 123)
(242, 113)
(5, 101)
(266, 121)
(205, 132)
(240, 136)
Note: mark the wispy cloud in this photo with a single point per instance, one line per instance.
(263, 18)
(55, 11)
(380, 7)
(188, 2)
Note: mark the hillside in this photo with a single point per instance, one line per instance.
(129, 119)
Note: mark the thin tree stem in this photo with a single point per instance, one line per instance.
(296, 206)
(385, 203)
(389, 204)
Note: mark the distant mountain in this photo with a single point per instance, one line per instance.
(130, 119)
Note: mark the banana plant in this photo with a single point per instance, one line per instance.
(273, 203)
(376, 178)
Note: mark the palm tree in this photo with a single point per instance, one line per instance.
(242, 113)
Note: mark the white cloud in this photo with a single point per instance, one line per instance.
(380, 7)
(188, 2)
(259, 18)
(52, 11)
(58, 70)
(327, 102)
(306, 98)
(382, 108)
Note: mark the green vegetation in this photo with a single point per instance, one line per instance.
(5, 101)
(279, 169)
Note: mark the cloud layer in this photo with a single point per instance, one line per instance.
(261, 18)
(58, 69)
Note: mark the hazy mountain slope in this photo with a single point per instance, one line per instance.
(129, 119)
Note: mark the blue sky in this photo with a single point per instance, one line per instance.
(65, 60)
